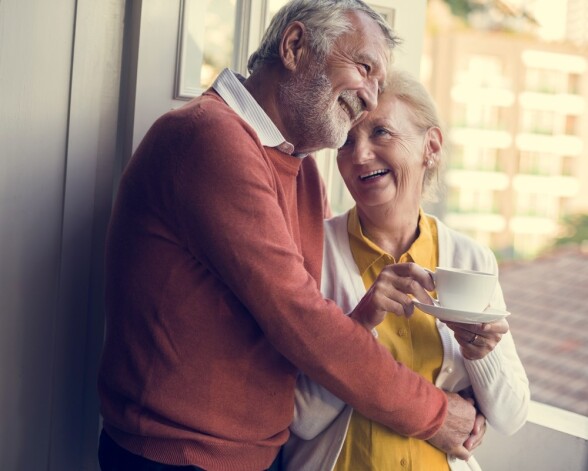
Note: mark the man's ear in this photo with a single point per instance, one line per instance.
(292, 45)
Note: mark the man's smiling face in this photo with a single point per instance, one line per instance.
(327, 98)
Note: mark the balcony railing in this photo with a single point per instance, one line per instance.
(552, 440)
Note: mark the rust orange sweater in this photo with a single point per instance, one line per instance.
(212, 271)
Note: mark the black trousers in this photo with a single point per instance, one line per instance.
(113, 457)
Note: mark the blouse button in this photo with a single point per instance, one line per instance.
(449, 370)
(402, 332)
(403, 462)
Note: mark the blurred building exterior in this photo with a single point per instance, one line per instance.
(577, 21)
(514, 109)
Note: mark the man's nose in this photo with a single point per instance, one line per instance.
(369, 94)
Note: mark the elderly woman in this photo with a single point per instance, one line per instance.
(389, 163)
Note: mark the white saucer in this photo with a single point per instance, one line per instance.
(465, 317)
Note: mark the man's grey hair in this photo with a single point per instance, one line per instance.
(324, 20)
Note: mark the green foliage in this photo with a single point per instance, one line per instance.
(575, 229)
(460, 8)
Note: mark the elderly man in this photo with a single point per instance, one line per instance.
(213, 264)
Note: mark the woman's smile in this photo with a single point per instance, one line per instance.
(374, 174)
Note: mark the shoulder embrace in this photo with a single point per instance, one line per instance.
(208, 118)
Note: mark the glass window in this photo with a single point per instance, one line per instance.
(206, 42)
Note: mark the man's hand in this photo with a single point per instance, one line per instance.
(457, 427)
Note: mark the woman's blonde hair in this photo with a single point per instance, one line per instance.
(404, 86)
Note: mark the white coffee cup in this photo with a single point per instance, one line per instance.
(465, 290)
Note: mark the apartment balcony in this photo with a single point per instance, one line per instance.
(488, 138)
(476, 221)
(468, 93)
(562, 63)
(476, 179)
(559, 144)
(559, 186)
(562, 103)
(538, 225)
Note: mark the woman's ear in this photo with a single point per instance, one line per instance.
(292, 45)
(433, 145)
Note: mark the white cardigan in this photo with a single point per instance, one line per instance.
(498, 380)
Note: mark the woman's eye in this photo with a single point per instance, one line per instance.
(346, 143)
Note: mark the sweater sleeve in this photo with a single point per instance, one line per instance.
(315, 407)
(501, 387)
(499, 380)
(227, 204)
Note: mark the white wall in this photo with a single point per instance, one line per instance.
(59, 87)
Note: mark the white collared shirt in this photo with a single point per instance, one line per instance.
(229, 87)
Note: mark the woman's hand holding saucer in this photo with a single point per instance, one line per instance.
(477, 340)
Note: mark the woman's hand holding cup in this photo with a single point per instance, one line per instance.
(469, 290)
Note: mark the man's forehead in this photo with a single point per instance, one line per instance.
(367, 28)
(368, 40)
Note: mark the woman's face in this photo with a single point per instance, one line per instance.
(384, 159)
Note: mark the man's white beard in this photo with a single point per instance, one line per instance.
(313, 112)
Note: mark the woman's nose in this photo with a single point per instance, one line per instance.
(362, 153)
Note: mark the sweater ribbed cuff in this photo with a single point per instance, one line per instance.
(484, 371)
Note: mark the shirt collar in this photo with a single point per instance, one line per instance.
(231, 89)
(366, 253)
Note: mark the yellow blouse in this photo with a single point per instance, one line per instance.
(414, 342)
